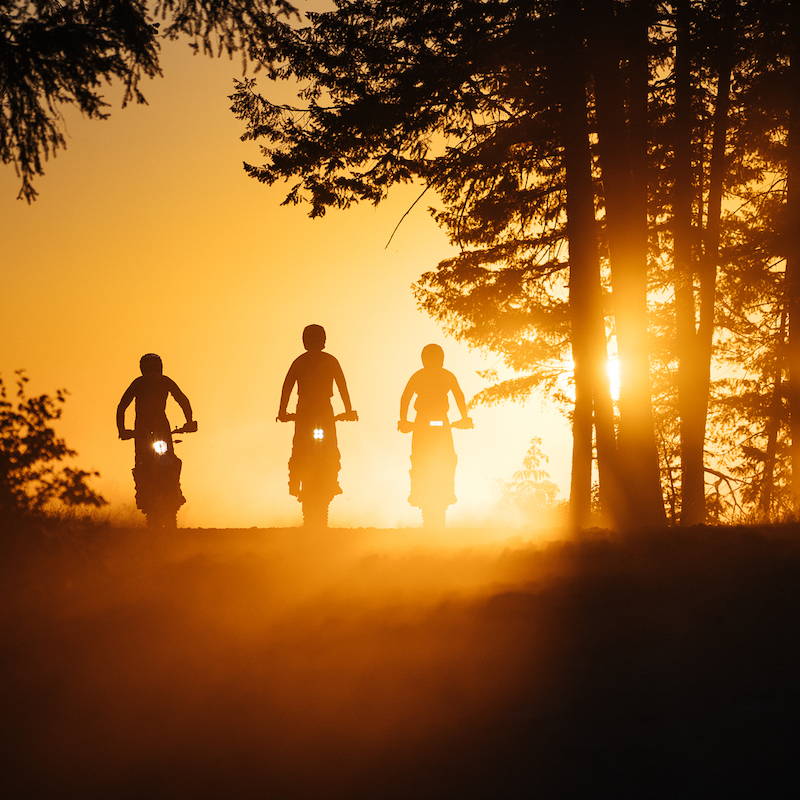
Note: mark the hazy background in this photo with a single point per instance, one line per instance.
(149, 237)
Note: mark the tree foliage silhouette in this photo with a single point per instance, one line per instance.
(428, 98)
(31, 477)
(530, 489)
(619, 171)
(56, 54)
(481, 101)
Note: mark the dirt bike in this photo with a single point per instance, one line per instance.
(157, 475)
(315, 454)
(433, 463)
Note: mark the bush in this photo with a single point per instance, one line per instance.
(31, 475)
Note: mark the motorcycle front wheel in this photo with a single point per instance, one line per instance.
(433, 517)
(315, 513)
(164, 520)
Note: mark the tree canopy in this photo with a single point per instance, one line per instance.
(615, 174)
(58, 54)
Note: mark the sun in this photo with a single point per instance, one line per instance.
(613, 373)
(613, 370)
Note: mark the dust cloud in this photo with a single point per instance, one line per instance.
(388, 663)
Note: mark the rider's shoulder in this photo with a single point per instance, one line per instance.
(152, 383)
(323, 357)
(433, 373)
(315, 360)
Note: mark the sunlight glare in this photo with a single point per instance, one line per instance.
(613, 372)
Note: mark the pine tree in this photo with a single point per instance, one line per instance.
(55, 54)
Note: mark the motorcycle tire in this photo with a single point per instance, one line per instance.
(315, 513)
(433, 517)
(162, 520)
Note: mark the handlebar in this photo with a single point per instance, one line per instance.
(348, 416)
(188, 427)
(406, 426)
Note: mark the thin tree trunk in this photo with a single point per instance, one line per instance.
(672, 495)
(695, 346)
(692, 477)
(773, 425)
(622, 149)
(580, 488)
(592, 395)
(793, 254)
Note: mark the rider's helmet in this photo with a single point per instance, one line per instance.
(314, 337)
(432, 355)
(150, 364)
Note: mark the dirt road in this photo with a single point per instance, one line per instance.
(378, 664)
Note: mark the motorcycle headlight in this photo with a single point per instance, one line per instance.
(318, 434)
(436, 423)
(160, 446)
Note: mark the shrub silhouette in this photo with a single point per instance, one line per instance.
(31, 476)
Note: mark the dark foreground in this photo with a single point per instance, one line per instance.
(277, 664)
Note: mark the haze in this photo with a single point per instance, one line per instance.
(149, 237)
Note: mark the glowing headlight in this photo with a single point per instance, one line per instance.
(160, 446)
(318, 434)
(436, 423)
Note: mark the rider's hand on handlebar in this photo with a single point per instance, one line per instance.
(404, 426)
(189, 427)
(125, 434)
(284, 417)
(464, 422)
(349, 416)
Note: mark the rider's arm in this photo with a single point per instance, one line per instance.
(341, 385)
(181, 399)
(286, 392)
(459, 396)
(405, 400)
(122, 407)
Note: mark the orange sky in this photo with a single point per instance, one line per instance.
(148, 237)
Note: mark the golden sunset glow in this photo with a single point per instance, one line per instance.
(613, 372)
(149, 237)
(399, 400)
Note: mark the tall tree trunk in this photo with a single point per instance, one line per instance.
(694, 346)
(767, 488)
(580, 487)
(692, 477)
(793, 252)
(622, 149)
(592, 395)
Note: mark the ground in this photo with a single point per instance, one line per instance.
(381, 664)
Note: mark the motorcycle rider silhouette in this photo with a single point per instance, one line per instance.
(433, 456)
(157, 469)
(315, 462)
